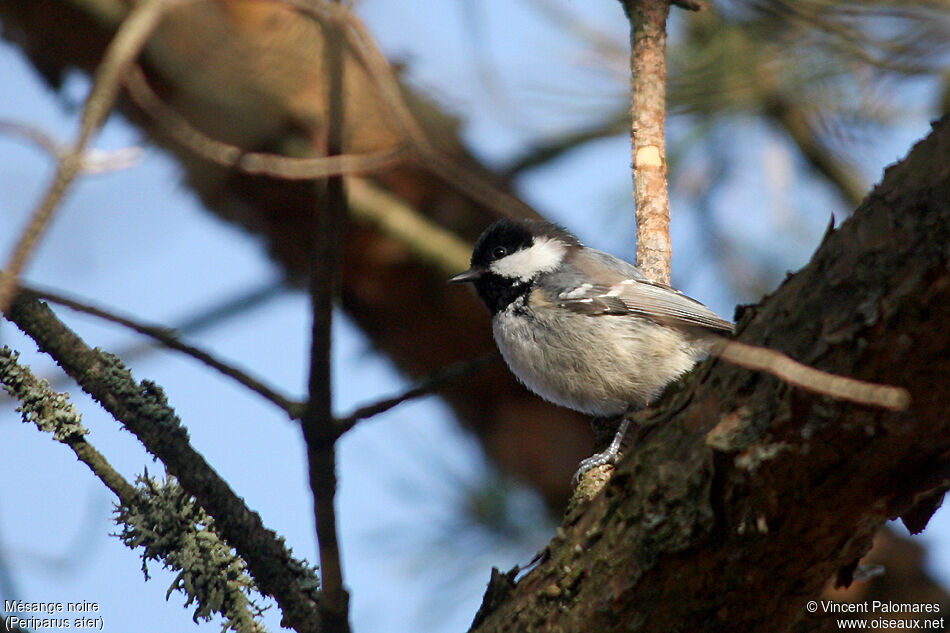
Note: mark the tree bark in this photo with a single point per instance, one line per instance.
(742, 495)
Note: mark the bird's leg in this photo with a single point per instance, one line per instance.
(608, 456)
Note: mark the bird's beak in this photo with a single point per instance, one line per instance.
(469, 275)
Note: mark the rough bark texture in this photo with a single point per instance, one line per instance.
(742, 496)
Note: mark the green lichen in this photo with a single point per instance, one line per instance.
(50, 411)
(173, 529)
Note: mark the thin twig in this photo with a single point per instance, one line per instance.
(54, 413)
(319, 425)
(648, 83)
(94, 161)
(169, 339)
(360, 41)
(417, 146)
(144, 411)
(207, 317)
(123, 49)
(259, 163)
(368, 202)
(791, 371)
(433, 382)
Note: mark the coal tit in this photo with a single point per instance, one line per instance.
(590, 332)
(582, 328)
(579, 327)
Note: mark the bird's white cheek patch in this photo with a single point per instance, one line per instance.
(542, 256)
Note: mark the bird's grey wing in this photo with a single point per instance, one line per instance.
(666, 305)
(621, 289)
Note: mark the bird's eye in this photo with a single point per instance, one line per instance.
(498, 252)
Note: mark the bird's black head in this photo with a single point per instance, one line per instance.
(510, 254)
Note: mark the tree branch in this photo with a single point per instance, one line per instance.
(319, 426)
(258, 163)
(163, 519)
(92, 161)
(143, 410)
(52, 412)
(369, 202)
(432, 383)
(169, 339)
(648, 83)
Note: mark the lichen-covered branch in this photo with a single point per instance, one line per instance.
(52, 412)
(173, 529)
(143, 410)
(159, 517)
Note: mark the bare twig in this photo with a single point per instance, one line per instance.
(800, 375)
(319, 425)
(360, 41)
(432, 382)
(648, 81)
(93, 161)
(215, 314)
(123, 49)
(169, 339)
(417, 146)
(207, 317)
(143, 410)
(228, 155)
(368, 202)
